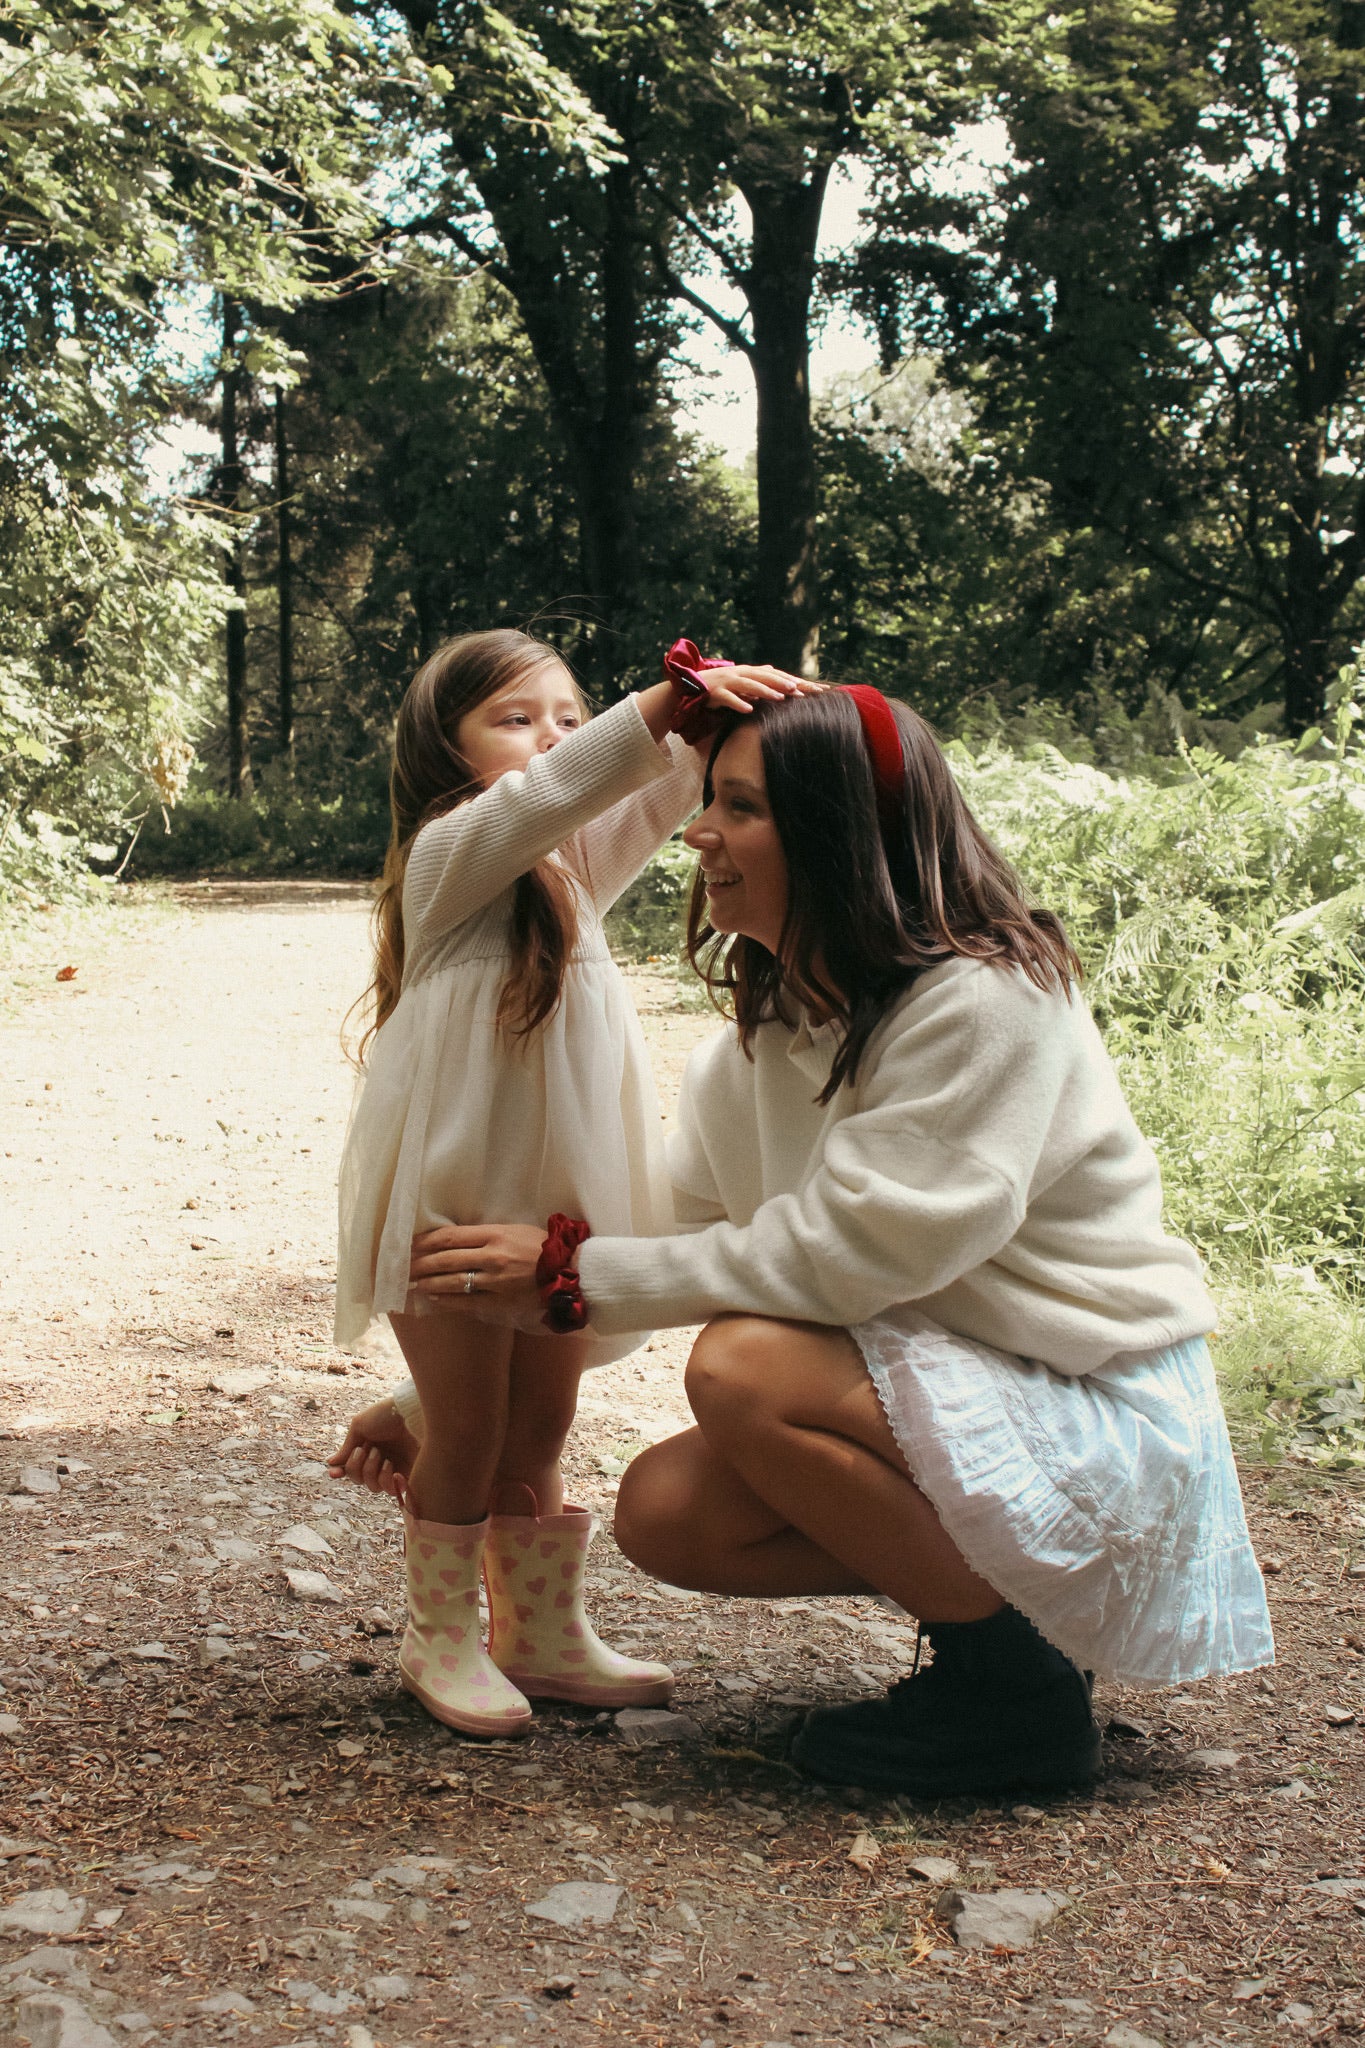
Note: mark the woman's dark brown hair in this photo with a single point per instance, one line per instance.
(870, 905)
(430, 777)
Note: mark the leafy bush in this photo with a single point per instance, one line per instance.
(649, 919)
(278, 831)
(107, 620)
(1221, 918)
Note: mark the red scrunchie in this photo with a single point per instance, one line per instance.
(561, 1292)
(683, 665)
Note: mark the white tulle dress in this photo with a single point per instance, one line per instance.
(457, 1121)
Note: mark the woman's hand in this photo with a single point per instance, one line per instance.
(458, 1266)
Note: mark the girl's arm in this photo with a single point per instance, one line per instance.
(610, 852)
(461, 862)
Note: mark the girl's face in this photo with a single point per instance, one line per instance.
(526, 717)
(742, 862)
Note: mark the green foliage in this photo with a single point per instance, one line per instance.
(132, 133)
(278, 830)
(648, 920)
(1291, 1354)
(107, 613)
(143, 145)
(1221, 917)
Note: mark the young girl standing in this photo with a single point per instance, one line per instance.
(506, 1076)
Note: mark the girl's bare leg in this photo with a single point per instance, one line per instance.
(792, 1483)
(542, 1401)
(461, 1370)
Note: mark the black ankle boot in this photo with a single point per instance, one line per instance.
(999, 1709)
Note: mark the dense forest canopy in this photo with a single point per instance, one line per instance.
(454, 257)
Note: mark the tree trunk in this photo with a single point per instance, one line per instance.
(599, 406)
(1307, 613)
(284, 579)
(229, 493)
(611, 551)
(786, 227)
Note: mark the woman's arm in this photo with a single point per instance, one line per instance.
(849, 1246)
(928, 1177)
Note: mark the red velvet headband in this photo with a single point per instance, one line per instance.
(883, 737)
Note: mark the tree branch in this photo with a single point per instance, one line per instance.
(733, 330)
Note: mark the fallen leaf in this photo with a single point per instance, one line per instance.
(865, 1851)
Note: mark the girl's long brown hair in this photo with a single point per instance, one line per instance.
(869, 909)
(429, 778)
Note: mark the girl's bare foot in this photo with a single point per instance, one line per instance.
(378, 1451)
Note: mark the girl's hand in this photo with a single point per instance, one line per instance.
(739, 687)
(379, 1450)
(732, 688)
(458, 1266)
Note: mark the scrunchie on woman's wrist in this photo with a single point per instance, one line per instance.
(693, 719)
(561, 1291)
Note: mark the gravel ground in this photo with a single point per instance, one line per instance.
(224, 1821)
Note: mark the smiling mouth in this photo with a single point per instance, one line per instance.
(719, 881)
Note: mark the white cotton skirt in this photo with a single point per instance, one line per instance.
(1106, 1508)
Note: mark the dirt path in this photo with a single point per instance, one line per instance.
(224, 1821)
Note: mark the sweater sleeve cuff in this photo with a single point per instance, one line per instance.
(629, 1282)
(407, 1401)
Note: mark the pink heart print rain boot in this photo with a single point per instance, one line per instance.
(443, 1661)
(539, 1636)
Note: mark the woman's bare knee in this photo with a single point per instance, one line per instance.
(732, 1373)
(653, 1513)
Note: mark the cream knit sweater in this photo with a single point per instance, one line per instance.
(984, 1166)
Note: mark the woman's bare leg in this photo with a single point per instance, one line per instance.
(461, 1370)
(686, 1517)
(542, 1402)
(798, 1484)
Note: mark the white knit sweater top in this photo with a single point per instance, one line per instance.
(983, 1165)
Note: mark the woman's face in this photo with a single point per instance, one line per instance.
(525, 718)
(742, 862)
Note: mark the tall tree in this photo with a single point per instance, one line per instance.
(771, 95)
(284, 579)
(228, 482)
(1162, 311)
(559, 216)
(762, 97)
